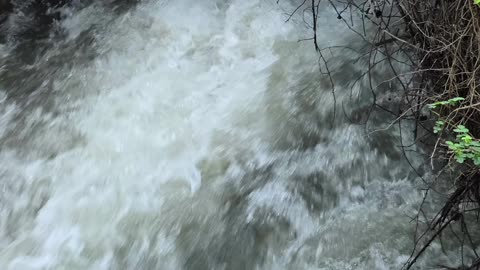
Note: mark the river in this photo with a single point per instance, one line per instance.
(197, 135)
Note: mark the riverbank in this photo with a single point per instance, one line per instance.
(444, 36)
(440, 43)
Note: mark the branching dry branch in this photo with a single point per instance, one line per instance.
(439, 42)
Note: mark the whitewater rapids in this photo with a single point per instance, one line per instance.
(196, 135)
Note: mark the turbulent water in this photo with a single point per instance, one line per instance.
(196, 135)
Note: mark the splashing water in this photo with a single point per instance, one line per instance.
(194, 135)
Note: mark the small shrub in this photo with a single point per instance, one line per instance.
(464, 147)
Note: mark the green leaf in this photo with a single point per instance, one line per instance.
(476, 143)
(476, 160)
(437, 104)
(461, 129)
(467, 139)
(454, 100)
(476, 149)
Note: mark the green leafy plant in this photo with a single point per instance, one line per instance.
(452, 101)
(438, 126)
(465, 147)
(476, 2)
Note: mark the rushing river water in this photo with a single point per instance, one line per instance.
(195, 135)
